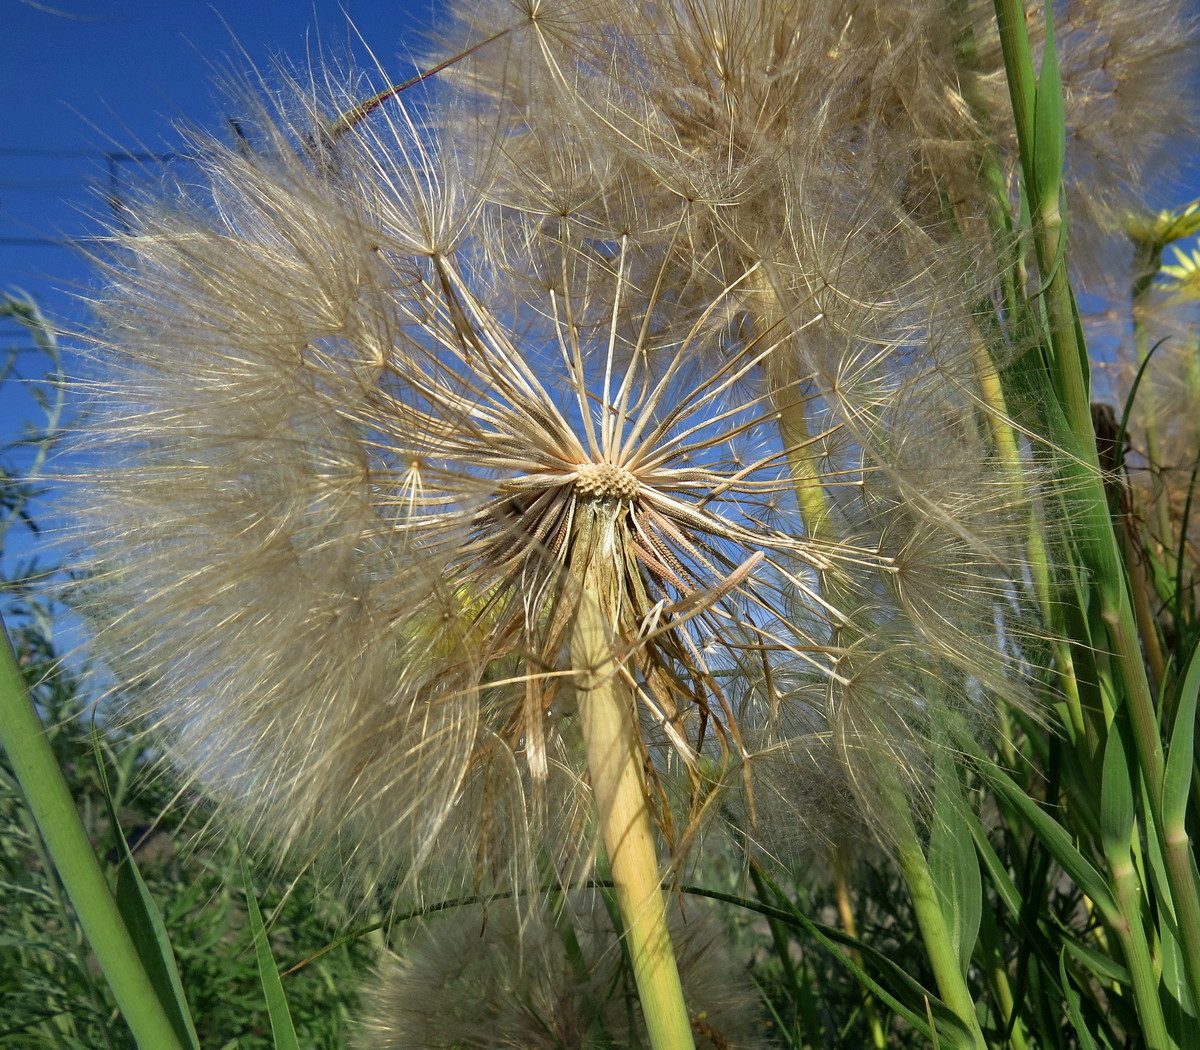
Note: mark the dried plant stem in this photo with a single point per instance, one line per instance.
(614, 757)
(1140, 589)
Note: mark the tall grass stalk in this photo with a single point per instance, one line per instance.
(1113, 628)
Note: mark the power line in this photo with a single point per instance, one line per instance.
(119, 155)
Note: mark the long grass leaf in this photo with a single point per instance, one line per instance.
(1082, 1032)
(1181, 756)
(282, 1029)
(919, 1000)
(1049, 129)
(145, 923)
(1052, 835)
(67, 842)
(952, 860)
(1116, 796)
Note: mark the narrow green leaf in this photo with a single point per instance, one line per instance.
(1103, 967)
(66, 840)
(1049, 128)
(1178, 998)
(1082, 1031)
(1116, 796)
(1036, 957)
(919, 999)
(953, 863)
(1183, 614)
(282, 1029)
(145, 924)
(1052, 835)
(1181, 755)
(1001, 880)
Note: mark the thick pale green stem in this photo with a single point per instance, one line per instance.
(614, 753)
(1131, 933)
(936, 936)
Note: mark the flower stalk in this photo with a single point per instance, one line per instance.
(935, 931)
(614, 759)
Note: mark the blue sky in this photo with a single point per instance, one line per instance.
(85, 81)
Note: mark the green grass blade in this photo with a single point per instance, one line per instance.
(1049, 129)
(58, 821)
(1181, 756)
(145, 924)
(1184, 615)
(282, 1029)
(1082, 1032)
(952, 860)
(1116, 796)
(1052, 835)
(1177, 854)
(917, 1001)
(1103, 967)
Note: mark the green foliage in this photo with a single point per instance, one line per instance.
(53, 993)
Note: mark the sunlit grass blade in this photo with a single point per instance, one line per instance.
(282, 1029)
(902, 993)
(77, 866)
(145, 924)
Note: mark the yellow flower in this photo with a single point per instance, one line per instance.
(1184, 273)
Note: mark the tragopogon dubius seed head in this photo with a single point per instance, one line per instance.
(368, 429)
(483, 980)
(343, 489)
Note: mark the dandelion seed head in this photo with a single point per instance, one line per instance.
(341, 484)
(494, 979)
(375, 407)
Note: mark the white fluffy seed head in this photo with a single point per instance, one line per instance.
(474, 980)
(356, 401)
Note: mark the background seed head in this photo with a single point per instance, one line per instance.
(497, 979)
